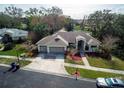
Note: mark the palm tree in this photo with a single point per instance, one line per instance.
(108, 43)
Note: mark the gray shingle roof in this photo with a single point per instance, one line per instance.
(45, 40)
(70, 37)
(57, 41)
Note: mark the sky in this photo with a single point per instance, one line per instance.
(76, 11)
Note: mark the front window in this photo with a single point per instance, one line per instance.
(94, 48)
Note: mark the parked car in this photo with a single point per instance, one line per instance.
(109, 83)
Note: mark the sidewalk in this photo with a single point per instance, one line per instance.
(86, 66)
(95, 68)
(14, 57)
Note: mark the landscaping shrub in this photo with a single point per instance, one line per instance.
(8, 46)
(33, 49)
(119, 53)
(22, 48)
(7, 39)
(30, 54)
(94, 54)
(99, 54)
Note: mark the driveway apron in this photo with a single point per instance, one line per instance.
(48, 65)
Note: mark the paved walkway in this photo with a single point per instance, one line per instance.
(85, 61)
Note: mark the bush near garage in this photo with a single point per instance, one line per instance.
(8, 46)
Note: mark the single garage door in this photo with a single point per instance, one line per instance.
(43, 49)
(56, 49)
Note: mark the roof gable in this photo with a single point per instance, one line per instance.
(92, 42)
(45, 40)
(57, 41)
(67, 37)
(52, 41)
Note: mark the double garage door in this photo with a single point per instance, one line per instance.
(52, 49)
(43, 49)
(56, 49)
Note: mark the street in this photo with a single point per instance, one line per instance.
(29, 79)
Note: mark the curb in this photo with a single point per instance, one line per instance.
(51, 73)
(58, 74)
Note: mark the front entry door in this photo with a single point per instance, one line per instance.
(81, 45)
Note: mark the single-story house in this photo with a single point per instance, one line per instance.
(60, 41)
(16, 34)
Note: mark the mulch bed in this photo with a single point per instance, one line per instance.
(75, 57)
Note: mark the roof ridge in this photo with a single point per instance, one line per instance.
(60, 38)
(43, 39)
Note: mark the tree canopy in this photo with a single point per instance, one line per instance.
(13, 11)
(101, 23)
(105, 23)
(46, 21)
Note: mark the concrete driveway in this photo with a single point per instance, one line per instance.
(53, 65)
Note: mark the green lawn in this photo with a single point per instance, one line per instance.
(13, 52)
(92, 74)
(9, 61)
(69, 60)
(115, 63)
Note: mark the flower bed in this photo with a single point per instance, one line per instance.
(75, 57)
(70, 60)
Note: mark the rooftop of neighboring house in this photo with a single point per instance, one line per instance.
(13, 31)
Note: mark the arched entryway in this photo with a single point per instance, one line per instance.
(80, 45)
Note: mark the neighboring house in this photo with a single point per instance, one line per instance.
(16, 34)
(60, 41)
(0, 39)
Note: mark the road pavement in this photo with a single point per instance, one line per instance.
(30, 79)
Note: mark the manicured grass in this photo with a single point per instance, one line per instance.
(69, 60)
(115, 63)
(92, 74)
(13, 52)
(9, 61)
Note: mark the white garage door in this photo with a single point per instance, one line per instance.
(56, 49)
(43, 49)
